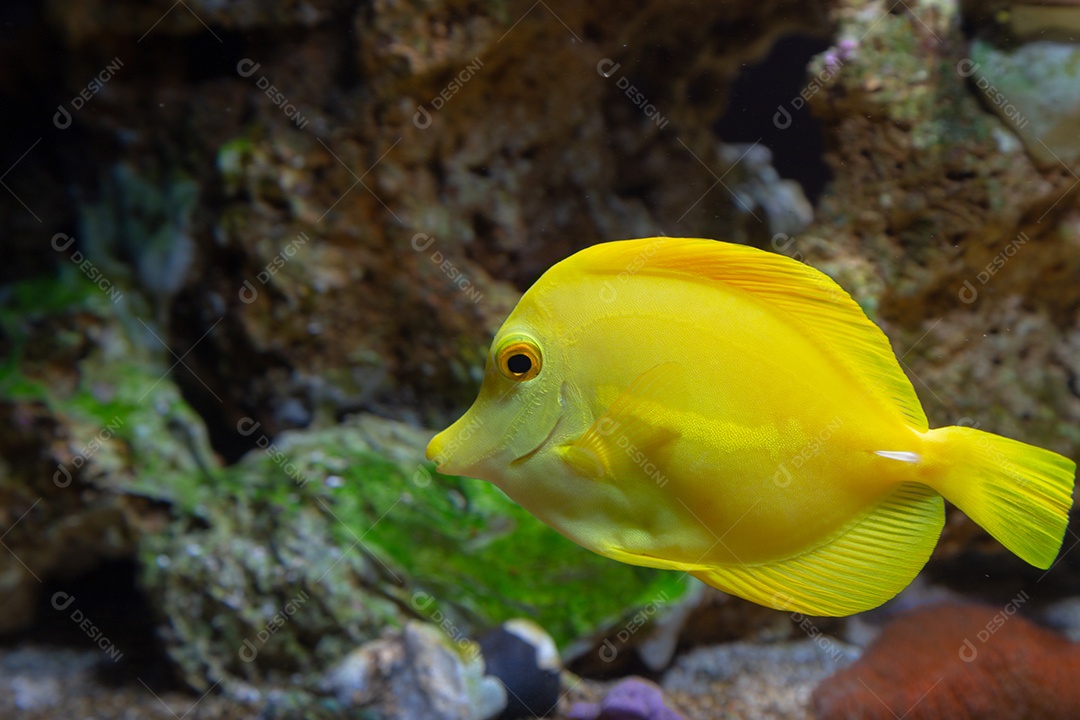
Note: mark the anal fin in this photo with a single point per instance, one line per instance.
(859, 570)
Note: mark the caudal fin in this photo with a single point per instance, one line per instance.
(1021, 494)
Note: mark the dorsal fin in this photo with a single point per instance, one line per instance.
(809, 300)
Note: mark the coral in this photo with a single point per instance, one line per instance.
(225, 550)
(944, 228)
(630, 699)
(350, 243)
(958, 661)
(528, 153)
(531, 148)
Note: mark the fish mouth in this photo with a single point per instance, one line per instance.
(538, 448)
(434, 450)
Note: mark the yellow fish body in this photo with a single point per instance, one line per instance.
(713, 408)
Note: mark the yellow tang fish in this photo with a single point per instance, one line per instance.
(713, 408)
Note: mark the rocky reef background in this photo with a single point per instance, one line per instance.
(252, 250)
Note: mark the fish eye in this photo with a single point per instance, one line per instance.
(519, 364)
(519, 359)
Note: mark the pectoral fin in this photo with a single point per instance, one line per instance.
(631, 421)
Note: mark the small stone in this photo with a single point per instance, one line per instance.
(1035, 90)
(416, 673)
(525, 659)
(631, 699)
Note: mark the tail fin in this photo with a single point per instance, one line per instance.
(1021, 494)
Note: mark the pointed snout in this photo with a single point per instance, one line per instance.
(457, 449)
(435, 450)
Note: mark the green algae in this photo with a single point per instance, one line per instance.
(115, 390)
(375, 542)
(346, 517)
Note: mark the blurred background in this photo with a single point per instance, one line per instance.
(253, 256)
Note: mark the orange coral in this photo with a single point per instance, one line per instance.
(957, 662)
